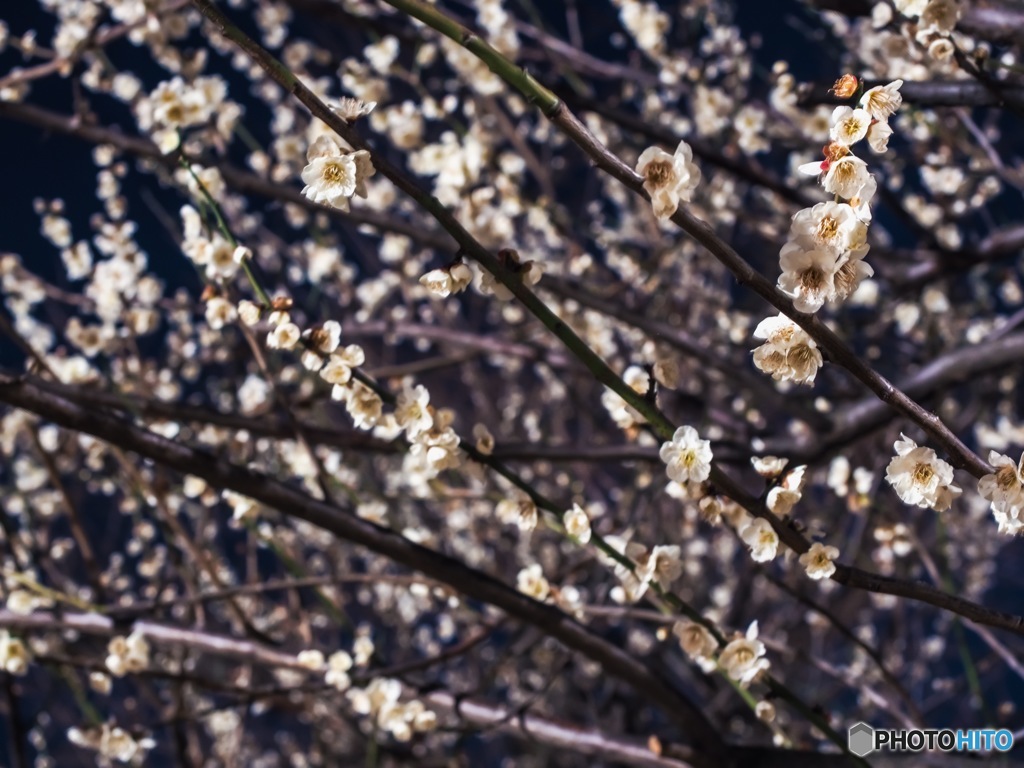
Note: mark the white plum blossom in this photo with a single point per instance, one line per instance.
(910, 8)
(333, 174)
(668, 179)
(577, 523)
(312, 659)
(762, 539)
(1005, 490)
(697, 642)
(878, 136)
(882, 101)
(849, 125)
(444, 282)
(338, 369)
(784, 496)
(665, 564)
(127, 654)
(846, 177)
(920, 477)
(14, 656)
(338, 665)
(788, 353)
(808, 276)
(1006, 484)
(531, 581)
(830, 225)
(284, 336)
(412, 411)
(743, 657)
(818, 561)
(520, 512)
(687, 457)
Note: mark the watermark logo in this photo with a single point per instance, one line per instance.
(862, 740)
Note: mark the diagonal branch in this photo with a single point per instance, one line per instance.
(293, 503)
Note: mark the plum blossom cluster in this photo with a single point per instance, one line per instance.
(380, 702)
(742, 658)
(111, 742)
(660, 564)
(434, 443)
(219, 258)
(789, 353)
(920, 477)
(127, 654)
(822, 261)
(1004, 489)
(337, 666)
(175, 105)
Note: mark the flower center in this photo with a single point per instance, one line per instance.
(1006, 477)
(812, 279)
(334, 173)
(659, 172)
(923, 473)
(827, 229)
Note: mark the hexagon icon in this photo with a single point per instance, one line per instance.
(861, 739)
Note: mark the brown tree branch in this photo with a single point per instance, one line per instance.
(291, 502)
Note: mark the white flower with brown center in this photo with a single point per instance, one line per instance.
(762, 540)
(829, 225)
(920, 477)
(788, 353)
(818, 561)
(743, 658)
(333, 175)
(697, 642)
(846, 177)
(807, 276)
(882, 101)
(668, 179)
(849, 125)
(1006, 485)
(688, 458)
